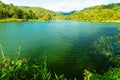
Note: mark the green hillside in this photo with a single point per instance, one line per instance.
(41, 13)
(102, 13)
(9, 12)
(110, 12)
(14, 13)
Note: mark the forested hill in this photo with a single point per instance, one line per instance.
(42, 13)
(9, 11)
(110, 12)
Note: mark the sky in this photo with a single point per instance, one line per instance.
(60, 5)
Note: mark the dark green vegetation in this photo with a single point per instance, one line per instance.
(108, 13)
(41, 13)
(12, 12)
(22, 69)
(102, 13)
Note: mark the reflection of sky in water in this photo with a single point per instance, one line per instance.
(66, 43)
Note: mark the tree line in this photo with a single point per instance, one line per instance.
(26, 13)
(110, 12)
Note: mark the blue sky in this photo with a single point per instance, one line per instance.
(60, 5)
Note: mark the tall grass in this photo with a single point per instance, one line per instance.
(22, 69)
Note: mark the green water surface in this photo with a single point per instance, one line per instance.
(67, 44)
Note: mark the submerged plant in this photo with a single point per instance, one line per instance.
(115, 59)
(104, 45)
(3, 56)
(107, 44)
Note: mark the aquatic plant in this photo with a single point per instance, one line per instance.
(61, 77)
(91, 76)
(22, 69)
(104, 45)
(115, 59)
(113, 72)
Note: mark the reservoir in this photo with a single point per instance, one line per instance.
(67, 44)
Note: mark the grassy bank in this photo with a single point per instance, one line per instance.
(21, 20)
(12, 19)
(39, 20)
(21, 69)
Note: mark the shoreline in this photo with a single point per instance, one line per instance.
(11, 20)
(32, 20)
(19, 20)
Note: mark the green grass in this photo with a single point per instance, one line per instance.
(21, 69)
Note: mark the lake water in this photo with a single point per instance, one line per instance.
(67, 44)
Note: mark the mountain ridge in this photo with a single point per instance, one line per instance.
(101, 13)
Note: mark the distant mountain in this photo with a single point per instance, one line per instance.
(110, 12)
(66, 13)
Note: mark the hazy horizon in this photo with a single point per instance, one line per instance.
(60, 6)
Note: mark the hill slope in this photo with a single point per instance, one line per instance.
(10, 11)
(26, 13)
(42, 13)
(110, 12)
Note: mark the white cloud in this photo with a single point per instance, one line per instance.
(77, 4)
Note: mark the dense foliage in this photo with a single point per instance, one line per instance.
(42, 14)
(12, 12)
(110, 12)
(22, 69)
